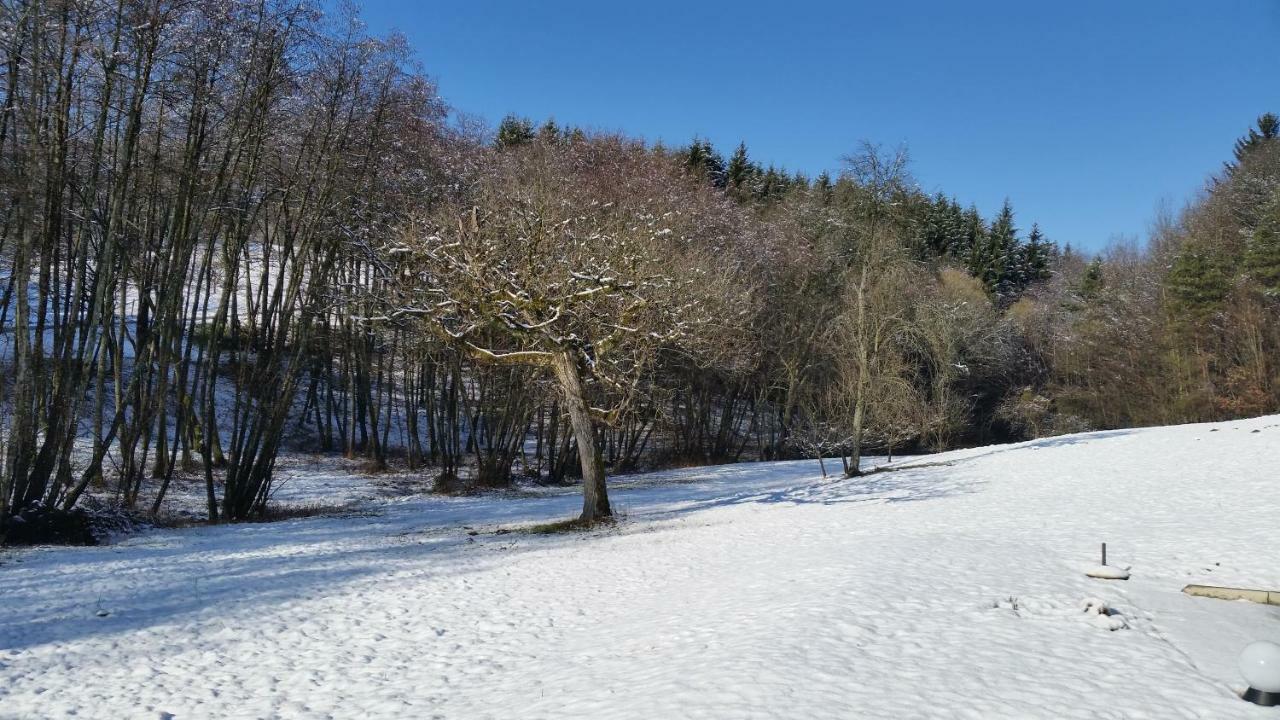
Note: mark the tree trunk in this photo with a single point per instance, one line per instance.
(595, 497)
(854, 468)
(855, 445)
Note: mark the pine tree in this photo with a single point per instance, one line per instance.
(701, 157)
(824, 187)
(1000, 267)
(932, 238)
(772, 184)
(1037, 254)
(1268, 129)
(1014, 275)
(550, 132)
(1262, 254)
(514, 130)
(938, 228)
(741, 175)
(1093, 280)
(953, 228)
(1197, 286)
(1268, 126)
(973, 242)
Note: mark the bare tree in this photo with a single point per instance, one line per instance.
(818, 430)
(582, 257)
(866, 338)
(875, 317)
(953, 329)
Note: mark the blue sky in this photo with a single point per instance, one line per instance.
(1086, 114)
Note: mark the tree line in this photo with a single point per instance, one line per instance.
(231, 229)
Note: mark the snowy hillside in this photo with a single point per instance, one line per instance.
(954, 589)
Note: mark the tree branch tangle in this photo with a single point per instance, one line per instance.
(585, 256)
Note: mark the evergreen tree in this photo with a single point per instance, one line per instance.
(942, 232)
(973, 242)
(956, 227)
(550, 132)
(1009, 272)
(701, 157)
(741, 175)
(1268, 128)
(1268, 125)
(1092, 282)
(1003, 231)
(1262, 254)
(514, 130)
(995, 259)
(930, 238)
(1037, 254)
(772, 184)
(984, 264)
(1197, 286)
(824, 187)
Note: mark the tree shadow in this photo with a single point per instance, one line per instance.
(884, 486)
(909, 479)
(227, 574)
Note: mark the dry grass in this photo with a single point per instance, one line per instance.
(274, 513)
(568, 526)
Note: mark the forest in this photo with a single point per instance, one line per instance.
(234, 230)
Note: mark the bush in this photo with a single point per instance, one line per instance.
(448, 483)
(41, 525)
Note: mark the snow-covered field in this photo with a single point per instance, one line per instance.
(954, 589)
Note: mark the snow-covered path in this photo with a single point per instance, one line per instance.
(758, 590)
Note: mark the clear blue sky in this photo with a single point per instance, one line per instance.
(1087, 114)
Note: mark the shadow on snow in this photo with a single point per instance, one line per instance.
(225, 574)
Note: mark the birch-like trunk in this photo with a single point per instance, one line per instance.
(854, 466)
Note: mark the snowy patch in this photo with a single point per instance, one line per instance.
(951, 586)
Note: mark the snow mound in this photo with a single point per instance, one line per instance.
(1107, 572)
(1100, 615)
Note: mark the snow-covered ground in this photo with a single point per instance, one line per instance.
(954, 589)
